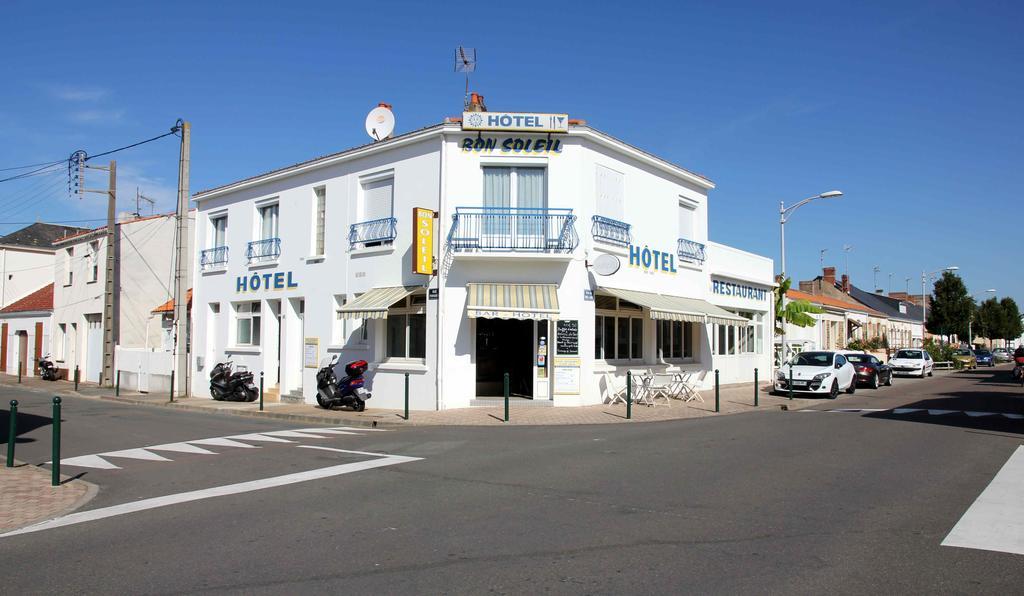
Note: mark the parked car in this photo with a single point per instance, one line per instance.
(817, 372)
(984, 358)
(870, 370)
(1002, 355)
(912, 362)
(966, 358)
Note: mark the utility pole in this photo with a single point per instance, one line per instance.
(109, 320)
(182, 266)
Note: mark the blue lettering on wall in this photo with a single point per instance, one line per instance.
(651, 259)
(268, 281)
(727, 288)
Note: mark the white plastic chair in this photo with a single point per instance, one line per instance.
(615, 392)
(641, 380)
(691, 384)
(662, 386)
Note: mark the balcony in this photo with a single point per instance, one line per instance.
(606, 229)
(213, 258)
(691, 251)
(377, 232)
(264, 251)
(513, 229)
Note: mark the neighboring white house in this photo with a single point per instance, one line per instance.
(316, 260)
(25, 332)
(26, 259)
(834, 328)
(144, 277)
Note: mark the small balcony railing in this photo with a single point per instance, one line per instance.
(611, 231)
(691, 251)
(213, 258)
(513, 229)
(260, 251)
(376, 232)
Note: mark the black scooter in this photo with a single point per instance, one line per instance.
(348, 391)
(228, 385)
(47, 371)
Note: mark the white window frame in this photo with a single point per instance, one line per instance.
(416, 304)
(635, 318)
(69, 254)
(319, 238)
(244, 311)
(62, 342)
(94, 261)
(213, 230)
(364, 181)
(686, 329)
(261, 214)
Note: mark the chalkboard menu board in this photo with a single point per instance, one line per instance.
(567, 338)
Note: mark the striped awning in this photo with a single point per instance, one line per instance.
(375, 303)
(512, 301)
(677, 308)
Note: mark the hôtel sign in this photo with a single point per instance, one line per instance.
(515, 122)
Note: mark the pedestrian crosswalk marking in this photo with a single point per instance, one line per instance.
(995, 521)
(929, 411)
(99, 460)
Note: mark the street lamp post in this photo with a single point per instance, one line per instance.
(784, 215)
(924, 298)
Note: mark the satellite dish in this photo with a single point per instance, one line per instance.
(380, 122)
(606, 264)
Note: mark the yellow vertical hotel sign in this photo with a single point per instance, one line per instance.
(423, 240)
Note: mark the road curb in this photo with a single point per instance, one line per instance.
(91, 490)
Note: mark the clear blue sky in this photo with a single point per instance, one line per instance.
(913, 110)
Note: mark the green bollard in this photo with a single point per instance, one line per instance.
(755, 387)
(407, 397)
(506, 397)
(19, 373)
(172, 386)
(261, 391)
(629, 396)
(790, 382)
(117, 386)
(55, 466)
(716, 392)
(12, 431)
(76, 377)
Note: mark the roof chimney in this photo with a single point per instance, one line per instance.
(476, 103)
(829, 274)
(846, 284)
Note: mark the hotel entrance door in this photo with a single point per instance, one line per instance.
(504, 346)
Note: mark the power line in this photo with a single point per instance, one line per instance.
(27, 174)
(166, 134)
(53, 221)
(32, 165)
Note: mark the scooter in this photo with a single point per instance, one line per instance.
(1018, 369)
(229, 385)
(47, 371)
(348, 391)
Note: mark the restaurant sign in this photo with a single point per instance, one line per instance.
(423, 240)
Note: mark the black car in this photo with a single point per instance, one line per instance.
(870, 370)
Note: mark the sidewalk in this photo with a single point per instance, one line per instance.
(735, 399)
(26, 496)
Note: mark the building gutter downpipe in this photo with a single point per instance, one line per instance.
(442, 187)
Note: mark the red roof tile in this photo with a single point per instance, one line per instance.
(41, 299)
(169, 305)
(833, 302)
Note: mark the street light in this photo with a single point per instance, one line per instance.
(924, 298)
(784, 215)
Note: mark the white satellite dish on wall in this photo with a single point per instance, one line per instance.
(606, 264)
(380, 122)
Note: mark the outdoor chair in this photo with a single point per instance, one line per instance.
(616, 392)
(641, 380)
(662, 386)
(691, 384)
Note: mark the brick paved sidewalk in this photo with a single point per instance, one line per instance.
(26, 496)
(735, 399)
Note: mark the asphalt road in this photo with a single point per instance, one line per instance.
(771, 501)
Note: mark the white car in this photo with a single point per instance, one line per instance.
(817, 372)
(917, 363)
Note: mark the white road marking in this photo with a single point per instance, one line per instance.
(181, 448)
(941, 412)
(219, 491)
(88, 461)
(293, 434)
(361, 429)
(995, 521)
(341, 450)
(906, 410)
(973, 414)
(332, 431)
(259, 437)
(222, 442)
(135, 454)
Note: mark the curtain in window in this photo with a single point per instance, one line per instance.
(220, 231)
(269, 216)
(497, 193)
(530, 195)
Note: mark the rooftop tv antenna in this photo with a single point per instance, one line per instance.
(465, 61)
(139, 197)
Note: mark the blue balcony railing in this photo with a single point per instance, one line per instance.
(611, 231)
(691, 251)
(264, 250)
(513, 229)
(212, 258)
(376, 232)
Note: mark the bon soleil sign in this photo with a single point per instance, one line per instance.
(268, 281)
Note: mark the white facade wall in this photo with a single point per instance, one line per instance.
(432, 170)
(24, 270)
(145, 256)
(24, 324)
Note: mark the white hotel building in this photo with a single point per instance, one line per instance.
(317, 259)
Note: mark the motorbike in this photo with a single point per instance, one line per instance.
(1018, 369)
(47, 370)
(227, 384)
(347, 391)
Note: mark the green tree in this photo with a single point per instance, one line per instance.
(1012, 326)
(797, 312)
(991, 319)
(952, 306)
